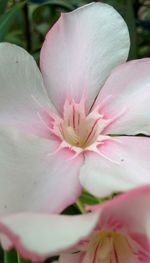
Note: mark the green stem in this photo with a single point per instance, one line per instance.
(5, 257)
(13, 257)
(10, 256)
(80, 206)
(20, 260)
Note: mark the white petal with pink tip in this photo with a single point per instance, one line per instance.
(123, 164)
(128, 88)
(37, 236)
(81, 50)
(22, 95)
(34, 180)
(121, 234)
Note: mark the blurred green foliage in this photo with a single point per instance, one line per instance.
(25, 23)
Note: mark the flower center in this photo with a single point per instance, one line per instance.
(77, 128)
(108, 246)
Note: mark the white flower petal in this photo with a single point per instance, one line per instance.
(125, 164)
(41, 235)
(81, 50)
(129, 90)
(22, 93)
(31, 179)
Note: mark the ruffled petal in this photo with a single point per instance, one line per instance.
(127, 94)
(124, 163)
(34, 179)
(37, 236)
(81, 50)
(22, 94)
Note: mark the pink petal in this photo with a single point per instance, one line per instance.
(124, 163)
(129, 211)
(129, 216)
(22, 94)
(37, 236)
(128, 89)
(71, 258)
(80, 51)
(33, 179)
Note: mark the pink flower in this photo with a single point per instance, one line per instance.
(117, 231)
(51, 136)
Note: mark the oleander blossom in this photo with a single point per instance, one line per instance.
(61, 127)
(117, 231)
(121, 234)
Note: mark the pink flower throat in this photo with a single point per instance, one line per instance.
(78, 129)
(110, 247)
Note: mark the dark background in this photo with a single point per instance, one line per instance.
(25, 23)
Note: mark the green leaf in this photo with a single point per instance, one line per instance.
(10, 256)
(3, 5)
(60, 3)
(15, 37)
(87, 198)
(7, 19)
(130, 19)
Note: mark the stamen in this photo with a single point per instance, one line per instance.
(72, 136)
(96, 121)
